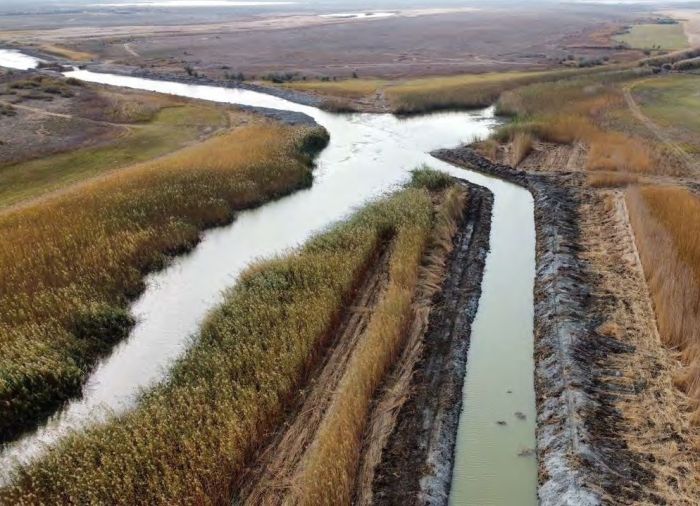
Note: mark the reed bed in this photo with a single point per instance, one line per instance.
(330, 466)
(584, 110)
(191, 436)
(521, 146)
(666, 222)
(467, 91)
(71, 264)
(611, 179)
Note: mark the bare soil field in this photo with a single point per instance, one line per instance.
(413, 42)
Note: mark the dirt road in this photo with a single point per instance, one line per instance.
(658, 132)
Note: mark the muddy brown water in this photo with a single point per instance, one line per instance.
(368, 155)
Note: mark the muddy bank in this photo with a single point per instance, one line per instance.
(416, 462)
(582, 452)
(284, 116)
(455, 267)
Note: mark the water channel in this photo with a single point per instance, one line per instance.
(368, 155)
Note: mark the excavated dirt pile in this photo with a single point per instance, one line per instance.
(582, 451)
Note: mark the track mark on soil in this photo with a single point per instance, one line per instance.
(655, 129)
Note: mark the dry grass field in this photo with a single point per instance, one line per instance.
(591, 110)
(666, 222)
(64, 132)
(191, 436)
(75, 261)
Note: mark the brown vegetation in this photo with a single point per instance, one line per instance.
(192, 435)
(75, 261)
(521, 146)
(587, 110)
(338, 104)
(611, 179)
(666, 222)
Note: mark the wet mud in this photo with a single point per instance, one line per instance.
(416, 463)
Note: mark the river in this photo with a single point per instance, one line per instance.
(368, 155)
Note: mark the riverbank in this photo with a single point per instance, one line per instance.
(609, 428)
(79, 259)
(416, 461)
(308, 298)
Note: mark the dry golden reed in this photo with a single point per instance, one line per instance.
(666, 222)
(330, 466)
(468, 91)
(579, 110)
(70, 265)
(610, 179)
(521, 146)
(191, 436)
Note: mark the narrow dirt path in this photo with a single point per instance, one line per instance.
(408, 447)
(655, 129)
(271, 478)
(130, 50)
(653, 423)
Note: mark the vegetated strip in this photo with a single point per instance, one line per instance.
(666, 222)
(409, 448)
(589, 109)
(71, 265)
(471, 91)
(191, 436)
(581, 446)
(317, 459)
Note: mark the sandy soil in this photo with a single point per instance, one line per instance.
(691, 23)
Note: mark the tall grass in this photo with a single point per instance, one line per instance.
(191, 436)
(330, 465)
(582, 110)
(70, 265)
(610, 179)
(521, 146)
(666, 222)
(467, 91)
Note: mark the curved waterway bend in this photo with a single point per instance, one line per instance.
(368, 155)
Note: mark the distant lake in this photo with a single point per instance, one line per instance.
(193, 3)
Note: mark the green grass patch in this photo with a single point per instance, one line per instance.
(171, 128)
(654, 36)
(673, 102)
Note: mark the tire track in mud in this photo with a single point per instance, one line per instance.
(456, 267)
